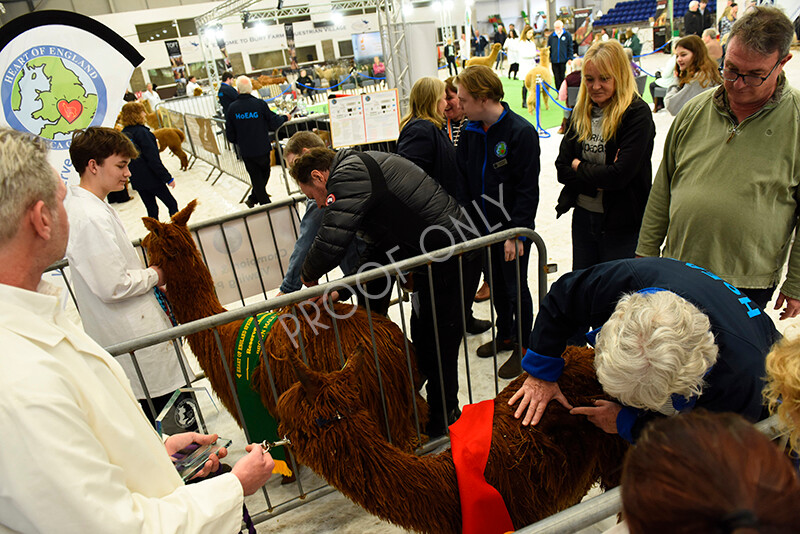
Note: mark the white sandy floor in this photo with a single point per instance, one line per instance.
(334, 513)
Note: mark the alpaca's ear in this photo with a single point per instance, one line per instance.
(356, 362)
(152, 224)
(309, 382)
(182, 217)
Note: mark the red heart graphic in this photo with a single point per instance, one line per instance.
(70, 110)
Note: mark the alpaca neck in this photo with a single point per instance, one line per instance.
(191, 292)
(378, 476)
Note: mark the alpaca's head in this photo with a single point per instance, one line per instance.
(324, 409)
(170, 245)
(544, 56)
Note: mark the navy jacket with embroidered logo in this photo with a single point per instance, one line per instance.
(560, 47)
(743, 332)
(248, 123)
(504, 157)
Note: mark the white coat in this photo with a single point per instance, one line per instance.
(512, 49)
(527, 54)
(79, 455)
(463, 49)
(152, 97)
(115, 292)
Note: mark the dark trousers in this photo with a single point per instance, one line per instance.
(559, 73)
(447, 294)
(504, 287)
(499, 60)
(162, 193)
(378, 292)
(760, 296)
(592, 245)
(258, 169)
(452, 65)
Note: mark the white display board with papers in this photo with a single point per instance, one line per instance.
(362, 119)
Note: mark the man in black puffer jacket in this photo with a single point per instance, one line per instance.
(400, 212)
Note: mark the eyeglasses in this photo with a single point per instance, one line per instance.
(751, 80)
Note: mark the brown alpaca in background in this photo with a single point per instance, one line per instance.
(191, 294)
(486, 60)
(172, 138)
(542, 69)
(539, 470)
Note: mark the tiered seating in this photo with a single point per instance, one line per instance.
(627, 12)
(641, 10)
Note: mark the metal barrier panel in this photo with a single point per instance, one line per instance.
(203, 105)
(278, 499)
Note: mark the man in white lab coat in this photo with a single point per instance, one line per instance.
(79, 455)
(116, 295)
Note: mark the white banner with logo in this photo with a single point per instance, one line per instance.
(62, 72)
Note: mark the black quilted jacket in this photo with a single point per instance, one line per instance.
(414, 214)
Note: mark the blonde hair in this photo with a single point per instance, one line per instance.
(782, 391)
(654, 345)
(131, 114)
(610, 60)
(424, 100)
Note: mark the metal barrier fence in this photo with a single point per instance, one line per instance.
(203, 105)
(399, 315)
(247, 254)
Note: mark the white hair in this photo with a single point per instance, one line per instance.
(244, 85)
(25, 177)
(654, 345)
(710, 32)
(694, 3)
(558, 24)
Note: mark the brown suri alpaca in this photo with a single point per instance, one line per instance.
(542, 69)
(486, 60)
(191, 295)
(539, 470)
(172, 138)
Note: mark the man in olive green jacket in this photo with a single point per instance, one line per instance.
(726, 195)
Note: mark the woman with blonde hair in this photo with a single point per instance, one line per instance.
(605, 159)
(148, 175)
(726, 23)
(695, 72)
(422, 140)
(782, 391)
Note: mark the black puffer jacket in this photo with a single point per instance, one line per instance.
(395, 217)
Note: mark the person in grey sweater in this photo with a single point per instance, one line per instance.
(695, 72)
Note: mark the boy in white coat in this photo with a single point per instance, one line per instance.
(115, 293)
